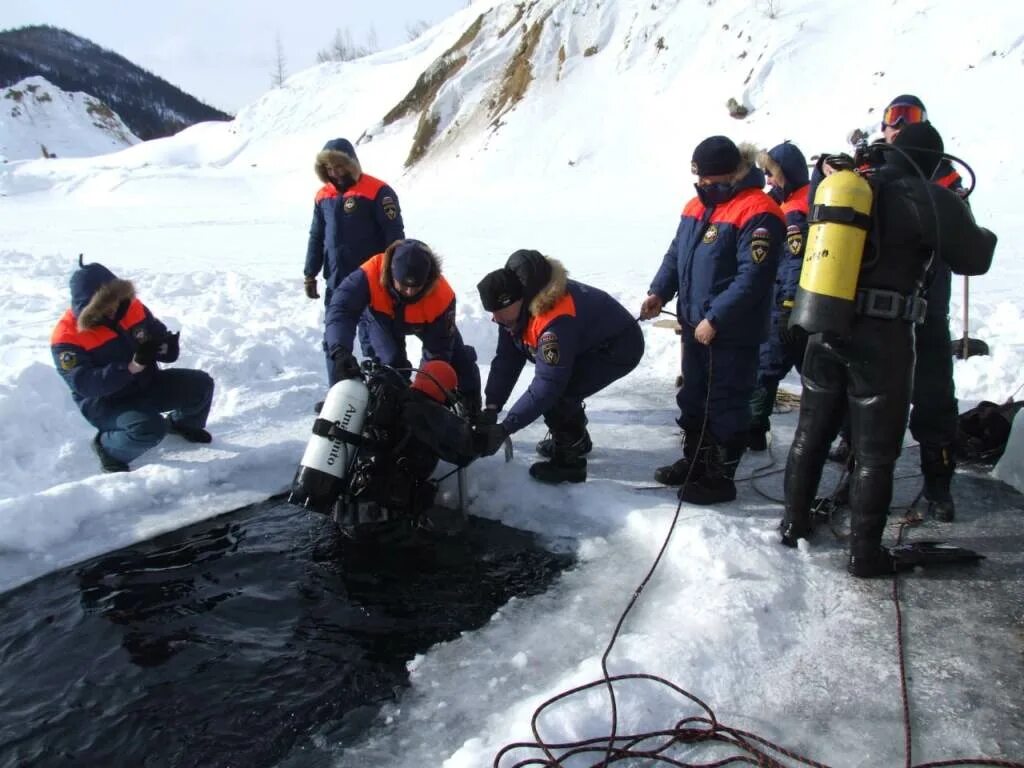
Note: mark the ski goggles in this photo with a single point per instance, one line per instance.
(903, 114)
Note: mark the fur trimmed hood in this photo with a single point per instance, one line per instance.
(748, 159)
(337, 152)
(557, 285)
(95, 291)
(787, 166)
(421, 248)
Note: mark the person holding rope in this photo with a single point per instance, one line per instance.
(868, 366)
(402, 293)
(722, 265)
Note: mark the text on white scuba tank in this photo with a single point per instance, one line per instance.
(343, 424)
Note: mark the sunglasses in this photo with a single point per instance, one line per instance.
(900, 114)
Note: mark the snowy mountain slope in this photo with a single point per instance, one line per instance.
(591, 165)
(38, 119)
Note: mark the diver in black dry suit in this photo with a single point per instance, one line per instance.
(871, 370)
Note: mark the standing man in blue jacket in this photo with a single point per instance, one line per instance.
(355, 216)
(106, 348)
(785, 169)
(722, 265)
(579, 339)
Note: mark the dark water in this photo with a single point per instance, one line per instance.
(237, 641)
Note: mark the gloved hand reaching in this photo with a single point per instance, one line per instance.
(345, 365)
(487, 417)
(487, 439)
(146, 352)
(170, 347)
(309, 284)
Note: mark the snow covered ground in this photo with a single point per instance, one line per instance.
(211, 225)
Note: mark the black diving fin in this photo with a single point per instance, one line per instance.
(914, 553)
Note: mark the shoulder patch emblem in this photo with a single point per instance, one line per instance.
(140, 334)
(795, 243)
(349, 205)
(710, 234)
(68, 360)
(549, 350)
(390, 206)
(760, 244)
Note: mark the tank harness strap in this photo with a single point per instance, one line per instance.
(330, 430)
(890, 305)
(841, 214)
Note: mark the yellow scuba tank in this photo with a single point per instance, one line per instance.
(839, 221)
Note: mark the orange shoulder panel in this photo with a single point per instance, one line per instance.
(367, 186)
(326, 191)
(694, 208)
(536, 326)
(380, 299)
(748, 203)
(67, 332)
(798, 201)
(431, 306)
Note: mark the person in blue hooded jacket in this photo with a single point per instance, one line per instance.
(355, 216)
(579, 339)
(785, 170)
(400, 292)
(722, 265)
(106, 347)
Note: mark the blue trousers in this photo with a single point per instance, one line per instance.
(130, 426)
(722, 378)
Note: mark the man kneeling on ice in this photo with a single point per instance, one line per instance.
(580, 340)
(106, 347)
(377, 442)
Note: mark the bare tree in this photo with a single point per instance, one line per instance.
(344, 48)
(414, 29)
(279, 72)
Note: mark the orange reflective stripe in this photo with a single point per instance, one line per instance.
(536, 326)
(746, 205)
(66, 330)
(426, 310)
(798, 201)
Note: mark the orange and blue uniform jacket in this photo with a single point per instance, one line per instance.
(94, 361)
(722, 263)
(581, 321)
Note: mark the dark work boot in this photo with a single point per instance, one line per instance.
(761, 404)
(757, 439)
(192, 434)
(107, 462)
(937, 465)
(677, 472)
(716, 485)
(583, 445)
(868, 558)
(565, 466)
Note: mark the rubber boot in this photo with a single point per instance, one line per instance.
(761, 404)
(716, 484)
(868, 558)
(677, 472)
(937, 466)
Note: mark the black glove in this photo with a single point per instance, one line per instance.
(785, 333)
(170, 347)
(345, 365)
(146, 352)
(487, 417)
(310, 285)
(487, 439)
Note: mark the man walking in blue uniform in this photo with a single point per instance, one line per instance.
(579, 339)
(722, 265)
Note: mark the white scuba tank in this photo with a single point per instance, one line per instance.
(321, 474)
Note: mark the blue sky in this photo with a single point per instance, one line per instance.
(223, 51)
